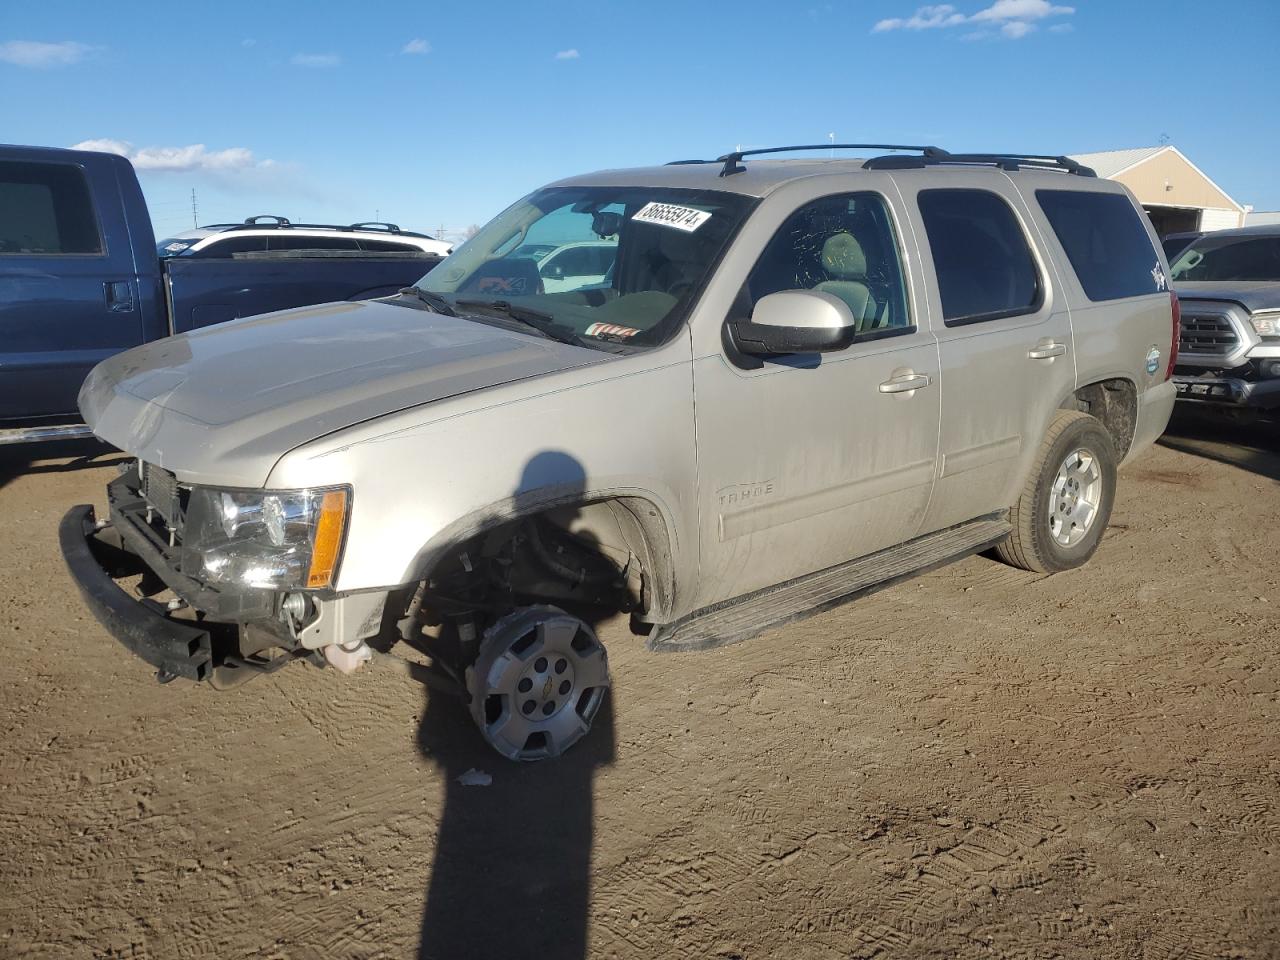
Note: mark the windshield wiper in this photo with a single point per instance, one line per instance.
(544, 323)
(433, 300)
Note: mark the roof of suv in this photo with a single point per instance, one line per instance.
(370, 228)
(739, 173)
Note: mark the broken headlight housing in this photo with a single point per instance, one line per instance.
(276, 539)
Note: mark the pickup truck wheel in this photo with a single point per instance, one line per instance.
(1066, 503)
(537, 682)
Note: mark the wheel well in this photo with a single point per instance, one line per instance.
(1115, 403)
(572, 551)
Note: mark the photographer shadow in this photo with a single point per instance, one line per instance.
(512, 870)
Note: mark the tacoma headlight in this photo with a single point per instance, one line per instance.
(282, 539)
(1267, 323)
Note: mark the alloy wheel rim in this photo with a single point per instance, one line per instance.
(1075, 498)
(539, 691)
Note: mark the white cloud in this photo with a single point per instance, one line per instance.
(1021, 10)
(248, 42)
(315, 60)
(34, 53)
(1061, 28)
(570, 54)
(416, 45)
(1014, 18)
(195, 157)
(925, 18)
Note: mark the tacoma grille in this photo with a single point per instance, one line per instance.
(1207, 334)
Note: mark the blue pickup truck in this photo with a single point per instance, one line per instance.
(80, 279)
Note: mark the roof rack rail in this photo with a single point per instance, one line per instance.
(733, 161)
(375, 225)
(1005, 161)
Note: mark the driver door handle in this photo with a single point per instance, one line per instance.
(905, 383)
(1046, 350)
(119, 295)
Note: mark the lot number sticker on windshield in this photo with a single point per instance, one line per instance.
(671, 215)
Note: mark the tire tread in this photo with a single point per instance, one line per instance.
(1023, 547)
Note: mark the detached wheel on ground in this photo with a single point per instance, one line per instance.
(1066, 504)
(537, 683)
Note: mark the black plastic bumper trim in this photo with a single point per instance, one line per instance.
(1229, 391)
(175, 649)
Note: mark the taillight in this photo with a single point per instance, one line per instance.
(1177, 333)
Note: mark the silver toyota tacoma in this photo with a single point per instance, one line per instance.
(1228, 283)
(775, 386)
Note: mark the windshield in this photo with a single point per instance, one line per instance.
(1229, 258)
(618, 265)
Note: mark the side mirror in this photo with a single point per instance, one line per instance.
(796, 321)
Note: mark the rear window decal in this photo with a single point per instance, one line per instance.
(672, 215)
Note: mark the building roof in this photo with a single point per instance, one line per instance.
(1110, 162)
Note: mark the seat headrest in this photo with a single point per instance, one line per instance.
(842, 257)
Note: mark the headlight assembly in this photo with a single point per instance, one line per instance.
(1266, 323)
(280, 539)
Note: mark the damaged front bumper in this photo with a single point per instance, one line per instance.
(174, 648)
(224, 635)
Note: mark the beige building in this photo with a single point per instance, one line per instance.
(1174, 191)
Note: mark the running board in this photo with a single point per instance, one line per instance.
(750, 616)
(36, 434)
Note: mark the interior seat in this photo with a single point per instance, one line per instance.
(846, 263)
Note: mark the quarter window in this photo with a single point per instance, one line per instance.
(45, 210)
(388, 246)
(984, 267)
(281, 242)
(842, 245)
(1107, 244)
(233, 245)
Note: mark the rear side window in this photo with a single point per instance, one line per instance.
(985, 268)
(45, 210)
(1107, 244)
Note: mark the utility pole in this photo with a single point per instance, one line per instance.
(195, 219)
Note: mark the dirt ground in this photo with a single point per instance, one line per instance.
(978, 763)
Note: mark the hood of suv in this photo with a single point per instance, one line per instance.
(223, 404)
(1252, 295)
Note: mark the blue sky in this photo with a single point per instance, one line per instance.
(441, 114)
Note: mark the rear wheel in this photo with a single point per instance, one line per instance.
(539, 678)
(1064, 508)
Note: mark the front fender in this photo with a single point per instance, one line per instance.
(622, 429)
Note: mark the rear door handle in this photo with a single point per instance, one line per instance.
(905, 383)
(1046, 350)
(119, 295)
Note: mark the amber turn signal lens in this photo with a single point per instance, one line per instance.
(328, 542)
